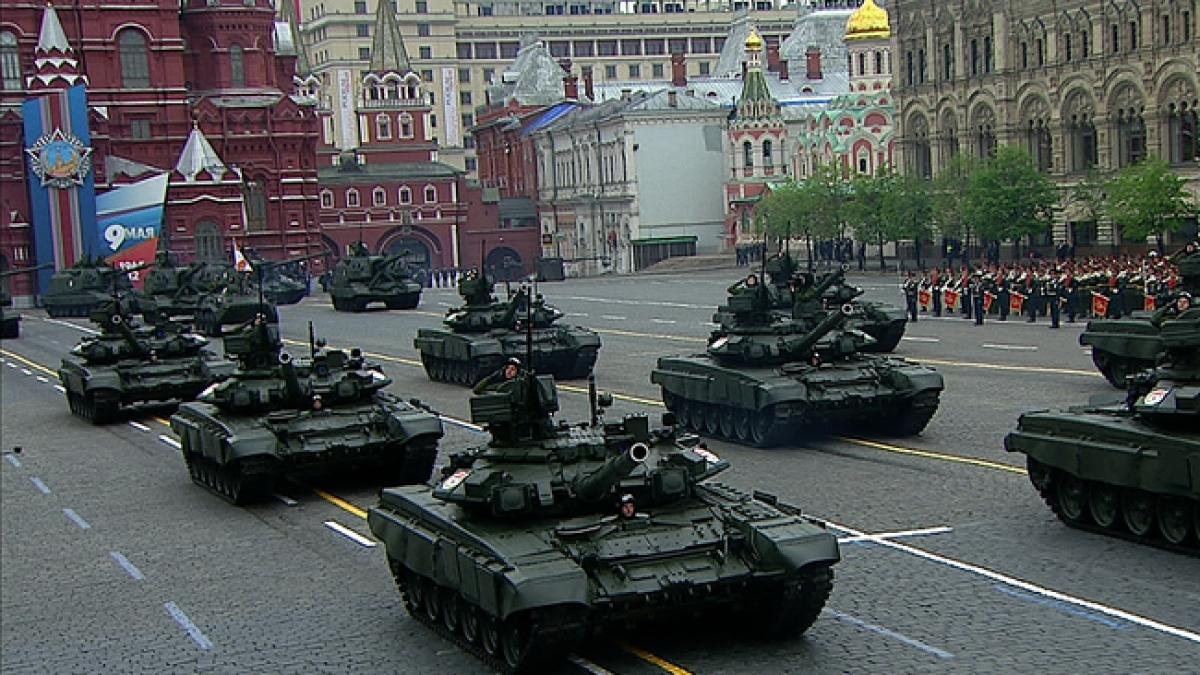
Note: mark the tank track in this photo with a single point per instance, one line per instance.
(454, 372)
(550, 635)
(404, 301)
(913, 416)
(416, 465)
(96, 407)
(585, 361)
(246, 481)
(1116, 368)
(1046, 482)
(60, 311)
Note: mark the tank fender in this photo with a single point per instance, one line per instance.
(544, 584)
(248, 443)
(792, 543)
(483, 348)
(102, 379)
(917, 379)
(413, 423)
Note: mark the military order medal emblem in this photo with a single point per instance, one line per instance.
(60, 160)
(1155, 397)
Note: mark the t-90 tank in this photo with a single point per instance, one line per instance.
(361, 279)
(10, 321)
(765, 378)
(883, 322)
(277, 416)
(80, 289)
(1122, 347)
(484, 332)
(527, 545)
(124, 365)
(1129, 468)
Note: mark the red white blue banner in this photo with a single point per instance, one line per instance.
(129, 222)
(62, 189)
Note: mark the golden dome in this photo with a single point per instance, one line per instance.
(754, 43)
(868, 22)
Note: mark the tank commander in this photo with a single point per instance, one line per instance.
(628, 508)
(499, 380)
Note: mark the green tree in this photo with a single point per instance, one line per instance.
(863, 210)
(1008, 198)
(908, 210)
(950, 198)
(1086, 198)
(1148, 199)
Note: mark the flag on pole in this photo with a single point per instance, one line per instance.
(988, 299)
(1016, 302)
(951, 299)
(239, 261)
(1099, 304)
(924, 298)
(1150, 305)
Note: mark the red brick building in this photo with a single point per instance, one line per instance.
(392, 193)
(158, 72)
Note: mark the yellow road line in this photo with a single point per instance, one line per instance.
(1023, 369)
(653, 660)
(929, 454)
(165, 423)
(31, 364)
(620, 397)
(339, 502)
(374, 355)
(653, 336)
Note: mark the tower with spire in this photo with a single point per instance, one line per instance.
(54, 60)
(758, 143)
(392, 108)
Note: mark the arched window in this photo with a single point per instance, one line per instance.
(1183, 144)
(383, 127)
(352, 198)
(379, 196)
(10, 63)
(135, 61)
(748, 155)
(862, 64)
(237, 66)
(878, 63)
(210, 245)
(326, 199)
(255, 194)
(767, 157)
(430, 194)
(406, 126)
(405, 195)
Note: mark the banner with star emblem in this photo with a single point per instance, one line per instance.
(62, 188)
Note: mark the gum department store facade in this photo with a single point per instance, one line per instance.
(1089, 84)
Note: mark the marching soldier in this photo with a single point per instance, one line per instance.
(936, 288)
(1033, 294)
(1002, 294)
(976, 290)
(1053, 298)
(1071, 295)
(910, 288)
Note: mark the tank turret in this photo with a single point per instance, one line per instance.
(77, 290)
(577, 526)
(361, 279)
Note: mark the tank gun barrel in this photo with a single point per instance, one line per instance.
(831, 322)
(514, 304)
(12, 273)
(291, 380)
(118, 323)
(594, 486)
(835, 277)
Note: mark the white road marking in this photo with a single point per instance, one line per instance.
(619, 301)
(1018, 348)
(577, 314)
(12, 459)
(590, 667)
(10, 364)
(129, 567)
(193, 631)
(349, 534)
(664, 321)
(917, 338)
(612, 317)
(169, 441)
(887, 632)
(139, 426)
(42, 379)
(37, 483)
(60, 389)
(1026, 585)
(462, 423)
(26, 371)
(68, 324)
(285, 499)
(77, 519)
(444, 304)
(896, 535)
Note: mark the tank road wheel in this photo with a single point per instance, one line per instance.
(1104, 504)
(1174, 517)
(1137, 510)
(360, 305)
(683, 414)
(469, 623)
(489, 634)
(516, 640)
(726, 422)
(452, 607)
(670, 401)
(1039, 475)
(712, 420)
(432, 600)
(741, 425)
(697, 411)
(762, 426)
(1071, 497)
(785, 611)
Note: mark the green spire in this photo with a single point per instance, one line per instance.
(757, 100)
(287, 12)
(388, 54)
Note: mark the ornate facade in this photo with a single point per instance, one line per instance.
(1094, 85)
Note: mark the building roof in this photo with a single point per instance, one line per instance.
(725, 91)
(347, 173)
(533, 78)
(388, 54)
(549, 116)
(824, 29)
(198, 155)
(868, 22)
(657, 101)
(51, 37)
(733, 51)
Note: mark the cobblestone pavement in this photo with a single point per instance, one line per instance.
(114, 562)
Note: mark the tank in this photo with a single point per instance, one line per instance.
(484, 332)
(172, 291)
(361, 279)
(10, 321)
(78, 290)
(232, 303)
(1123, 347)
(764, 378)
(529, 544)
(283, 283)
(1127, 468)
(885, 323)
(305, 417)
(125, 365)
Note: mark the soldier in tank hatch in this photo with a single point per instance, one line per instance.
(497, 380)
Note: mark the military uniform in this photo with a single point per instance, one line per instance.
(976, 289)
(910, 296)
(1052, 291)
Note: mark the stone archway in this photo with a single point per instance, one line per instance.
(504, 264)
(416, 252)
